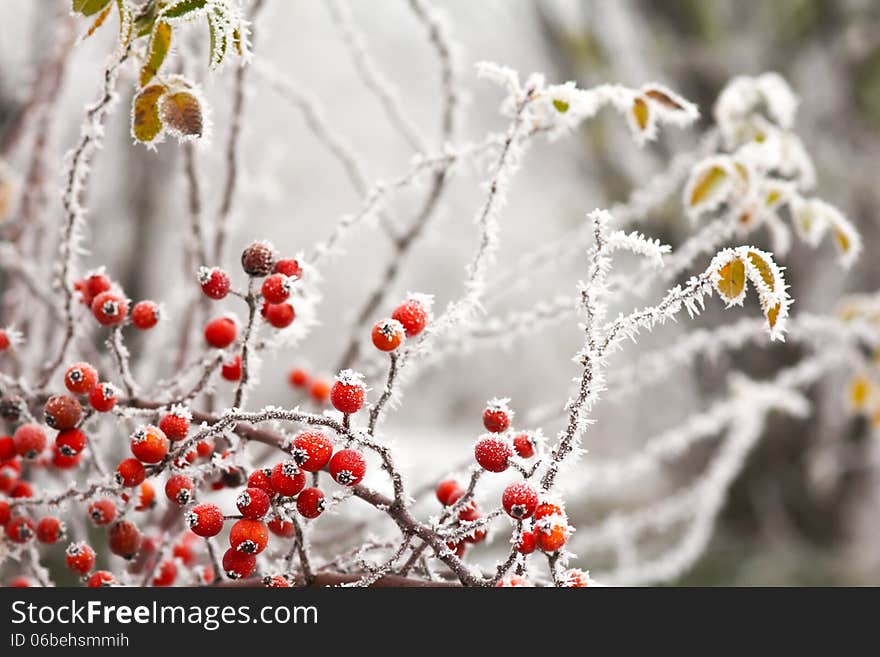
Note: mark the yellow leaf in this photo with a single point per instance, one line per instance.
(145, 122)
(182, 114)
(706, 184)
(843, 242)
(764, 269)
(859, 391)
(160, 42)
(733, 279)
(772, 315)
(99, 21)
(640, 112)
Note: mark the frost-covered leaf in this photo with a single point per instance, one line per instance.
(89, 7)
(181, 112)
(99, 21)
(732, 280)
(160, 43)
(183, 8)
(709, 185)
(146, 125)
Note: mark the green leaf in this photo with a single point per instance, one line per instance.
(160, 42)
(218, 42)
(145, 122)
(89, 7)
(183, 7)
(146, 19)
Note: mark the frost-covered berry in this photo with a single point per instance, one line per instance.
(527, 543)
(50, 530)
(30, 440)
(287, 478)
(214, 282)
(149, 444)
(348, 392)
(103, 397)
(21, 489)
(310, 503)
(205, 447)
(446, 489)
(311, 449)
(179, 489)
(413, 314)
(9, 338)
(205, 520)
(319, 391)
(279, 315)
(348, 467)
(109, 308)
(70, 442)
(238, 565)
(513, 581)
(130, 473)
(276, 288)
(20, 530)
(574, 578)
(92, 285)
(146, 498)
(519, 500)
(524, 444)
(64, 461)
(497, 416)
(253, 503)
(261, 478)
(145, 315)
(102, 512)
(62, 412)
(276, 582)
(258, 258)
(231, 369)
(184, 551)
(280, 527)
(249, 536)
(298, 378)
(221, 332)
(493, 453)
(7, 448)
(101, 578)
(80, 557)
(289, 267)
(80, 378)
(551, 533)
(124, 539)
(175, 423)
(545, 509)
(387, 334)
(166, 573)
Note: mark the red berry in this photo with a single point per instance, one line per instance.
(250, 536)
(63, 461)
(310, 503)
(311, 450)
(205, 447)
(205, 520)
(179, 489)
(102, 512)
(220, 332)
(50, 530)
(348, 467)
(101, 578)
(20, 530)
(497, 416)
(149, 444)
(92, 285)
(575, 578)
(80, 557)
(109, 308)
(253, 503)
(276, 288)
(258, 258)
(103, 397)
(9, 473)
(124, 539)
(289, 267)
(513, 581)
(320, 391)
(145, 315)
(214, 282)
(231, 370)
(146, 497)
(279, 315)
(348, 392)
(276, 582)
(238, 565)
(5, 512)
(446, 490)
(184, 549)
(175, 423)
(30, 440)
(493, 453)
(527, 543)
(71, 442)
(20, 582)
(130, 473)
(261, 479)
(288, 478)
(7, 448)
(283, 528)
(524, 444)
(298, 378)
(80, 378)
(551, 532)
(388, 334)
(546, 509)
(62, 412)
(413, 314)
(519, 500)
(166, 573)
(21, 489)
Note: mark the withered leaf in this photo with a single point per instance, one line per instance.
(182, 114)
